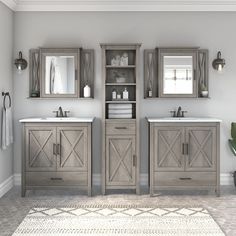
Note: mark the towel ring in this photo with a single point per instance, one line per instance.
(7, 94)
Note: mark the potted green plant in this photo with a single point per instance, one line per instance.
(204, 90)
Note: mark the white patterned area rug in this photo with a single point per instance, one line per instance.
(119, 220)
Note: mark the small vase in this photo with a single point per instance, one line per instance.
(204, 94)
(87, 91)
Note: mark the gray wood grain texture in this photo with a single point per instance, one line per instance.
(168, 150)
(150, 72)
(184, 153)
(56, 155)
(40, 142)
(72, 148)
(120, 161)
(201, 71)
(202, 148)
(34, 71)
(133, 51)
(87, 71)
(84, 71)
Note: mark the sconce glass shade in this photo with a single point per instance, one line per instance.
(21, 63)
(219, 63)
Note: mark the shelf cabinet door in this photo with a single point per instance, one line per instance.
(201, 148)
(40, 148)
(120, 160)
(168, 148)
(72, 148)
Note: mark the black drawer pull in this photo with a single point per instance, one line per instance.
(56, 179)
(121, 127)
(185, 178)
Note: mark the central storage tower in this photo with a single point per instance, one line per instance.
(120, 124)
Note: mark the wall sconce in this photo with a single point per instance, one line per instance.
(20, 63)
(218, 63)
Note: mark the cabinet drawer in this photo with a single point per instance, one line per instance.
(120, 128)
(56, 178)
(185, 178)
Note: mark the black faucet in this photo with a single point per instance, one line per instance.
(179, 112)
(60, 113)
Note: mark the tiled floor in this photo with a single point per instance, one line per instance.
(13, 208)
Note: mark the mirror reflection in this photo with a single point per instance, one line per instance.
(60, 74)
(178, 75)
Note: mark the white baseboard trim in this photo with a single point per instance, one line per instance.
(17, 179)
(6, 185)
(225, 179)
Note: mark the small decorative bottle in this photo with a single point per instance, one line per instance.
(87, 91)
(149, 93)
(118, 96)
(114, 93)
(125, 94)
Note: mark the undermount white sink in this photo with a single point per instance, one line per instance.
(182, 119)
(58, 119)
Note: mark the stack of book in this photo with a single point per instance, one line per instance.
(120, 111)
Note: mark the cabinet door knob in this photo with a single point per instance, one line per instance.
(121, 127)
(183, 148)
(54, 149)
(58, 149)
(134, 160)
(56, 179)
(187, 149)
(185, 178)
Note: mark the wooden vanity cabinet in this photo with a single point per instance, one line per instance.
(121, 154)
(56, 155)
(184, 155)
(120, 117)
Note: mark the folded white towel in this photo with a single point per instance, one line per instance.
(7, 131)
(120, 116)
(123, 111)
(120, 106)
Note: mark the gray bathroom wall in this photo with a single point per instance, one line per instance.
(213, 31)
(6, 45)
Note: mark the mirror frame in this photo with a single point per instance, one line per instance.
(59, 51)
(177, 52)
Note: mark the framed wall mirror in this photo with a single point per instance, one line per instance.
(177, 72)
(59, 72)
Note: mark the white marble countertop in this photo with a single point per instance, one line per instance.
(182, 119)
(58, 119)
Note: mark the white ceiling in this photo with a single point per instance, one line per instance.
(121, 5)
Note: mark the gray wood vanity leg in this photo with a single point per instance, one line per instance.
(217, 191)
(89, 160)
(151, 158)
(23, 189)
(218, 160)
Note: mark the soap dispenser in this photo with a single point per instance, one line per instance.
(125, 94)
(114, 93)
(87, 91)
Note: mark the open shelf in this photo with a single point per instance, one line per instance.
(120, 101)
(120, 67)
(119, 84)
